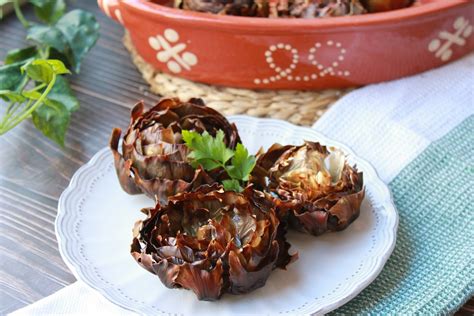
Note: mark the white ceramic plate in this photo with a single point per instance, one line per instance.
(94, 229)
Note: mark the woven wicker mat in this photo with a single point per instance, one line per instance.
(278, 104)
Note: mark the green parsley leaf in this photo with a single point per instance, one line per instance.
(188, 138)
(207, 164)
(232, 185)
(212, 152)
(242, 164)
(220, 149)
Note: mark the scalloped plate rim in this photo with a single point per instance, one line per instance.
(355, 289)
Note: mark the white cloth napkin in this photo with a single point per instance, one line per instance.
(388, 124)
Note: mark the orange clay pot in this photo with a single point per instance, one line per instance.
(262, 53)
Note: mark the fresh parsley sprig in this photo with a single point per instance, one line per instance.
(31, 81)
(212, 152)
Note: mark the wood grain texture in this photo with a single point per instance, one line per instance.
(34, 171)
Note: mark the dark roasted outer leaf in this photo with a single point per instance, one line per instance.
(49, 11)
(307, 192)
(21, 55)
(155, 159)
(212, 241)
(52, 119)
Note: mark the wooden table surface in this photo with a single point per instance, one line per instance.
(34, 171)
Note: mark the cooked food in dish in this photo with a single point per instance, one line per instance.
(291, 8)
(386, 5)
(318, 191)
(221, 214)
(212, 241)
(154, 158)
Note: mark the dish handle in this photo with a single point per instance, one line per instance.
(112, 9)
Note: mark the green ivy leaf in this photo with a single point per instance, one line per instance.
(49, 11)
(12, 96)
(34, 95)
(49, 36)
(58, 66)
(52, 119)
(73, 35)
(62, 93)
(43, 70)
(81, 30)
(10, 76)
(21, 55)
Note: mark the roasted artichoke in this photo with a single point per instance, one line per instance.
(212, 242)
(154, 159)
(316, 189)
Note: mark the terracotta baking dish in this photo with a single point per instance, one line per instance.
(262, 53)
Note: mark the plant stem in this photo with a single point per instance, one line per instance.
(7, 112)
(19, 14)
(39, 87)
(17, 120)
(44, 53)
(23, 83)
(12, 109)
